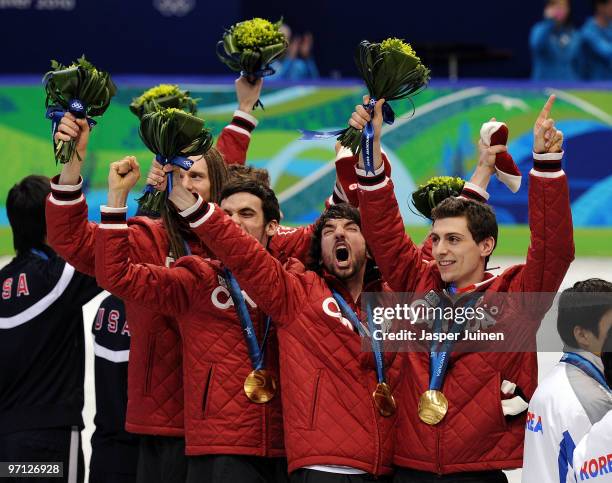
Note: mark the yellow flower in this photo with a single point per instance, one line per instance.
(398, 45)
(158, 91)
(257, 32)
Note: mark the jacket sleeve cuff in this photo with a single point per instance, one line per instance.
(474, 192)
(547, 165)
(66, 194)
(198, 213)
(242, 123)
(371, 181)
(113, 218)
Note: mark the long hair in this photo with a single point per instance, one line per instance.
(176, 227)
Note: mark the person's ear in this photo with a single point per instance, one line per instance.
(486, 246)
(271, 228)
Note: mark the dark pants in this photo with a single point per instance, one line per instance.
(304, 475)
(45, 446)
(161, 459)
(236, 468)
(405, 475)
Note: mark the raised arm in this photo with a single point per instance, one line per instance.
(551, 250)
(234, 140)
(69, 232)
(169, 290)
(278, 292)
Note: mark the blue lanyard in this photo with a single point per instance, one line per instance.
(439, 359)
(350, 313)
(40, 254)
(585, 366)
(256, 353)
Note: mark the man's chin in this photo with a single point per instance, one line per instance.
(341, 273)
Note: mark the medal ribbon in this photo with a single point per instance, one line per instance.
(439, 359)
(367, 135)
(585, 366)
(256, 353)
(352, 316)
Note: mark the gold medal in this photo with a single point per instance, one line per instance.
(260, 386)
(384, 400)
(433, 406)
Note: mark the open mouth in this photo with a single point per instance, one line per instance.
(445, 263)
(342, 254)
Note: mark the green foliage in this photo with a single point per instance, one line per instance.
(82, 81)
(169, 133)
(391, 70)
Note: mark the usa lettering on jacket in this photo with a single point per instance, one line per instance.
(112, 322)
(20, 289)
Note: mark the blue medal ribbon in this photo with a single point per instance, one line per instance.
(352, 316)
(256, 353)
(367, 135)
(440, 357)
(180, 161)
(76, 107)
(586, 366)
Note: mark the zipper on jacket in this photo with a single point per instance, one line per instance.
(150, 357)
(206, 389)
(315, 396)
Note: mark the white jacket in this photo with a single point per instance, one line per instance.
(562, 410)
(593, 455)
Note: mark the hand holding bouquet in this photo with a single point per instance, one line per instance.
(80, 89)
(172, 135)
(163, 96)
(249, 47)
(391, 70)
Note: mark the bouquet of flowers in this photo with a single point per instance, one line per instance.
(172, 135)
(390, 70)
(80, 89)
(163, 96)
(434, 191)
(249, 47)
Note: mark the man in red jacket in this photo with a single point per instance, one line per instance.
(233, 424)
(338, 402)
(474, 434)
(155, 380)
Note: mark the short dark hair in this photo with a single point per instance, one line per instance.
(269, 202)
(341, 211)
(244, 172)
(606, 357)
(25, 207)
(481, 220)
(578, 309)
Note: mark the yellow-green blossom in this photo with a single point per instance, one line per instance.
(257, 32)
(158, 91)
(437, 182)
(399, 45)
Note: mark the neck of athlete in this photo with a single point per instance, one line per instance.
(354, 284)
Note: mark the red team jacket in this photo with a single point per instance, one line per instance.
(328, 380)
(219, 418)
(155, 379)
(474, 435)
